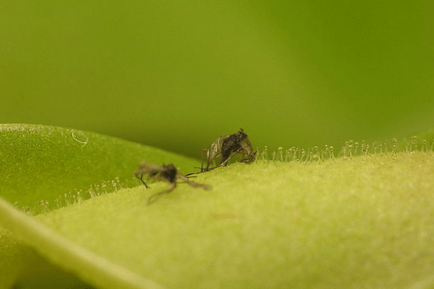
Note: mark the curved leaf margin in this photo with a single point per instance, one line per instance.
(60, 248)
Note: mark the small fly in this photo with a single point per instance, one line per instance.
(227, 146)
(167, 173)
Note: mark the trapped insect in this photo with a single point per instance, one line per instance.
(225, 147)
(167, 173)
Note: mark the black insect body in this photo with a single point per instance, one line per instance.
(237, 143)
(167, 173)
(226, 147)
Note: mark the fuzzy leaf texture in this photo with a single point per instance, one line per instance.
(44, 168)
(363, 220)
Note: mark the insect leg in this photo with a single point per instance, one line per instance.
(225, 162)
(193, 184)
(207, 157)
(141, 179)
(154, 197)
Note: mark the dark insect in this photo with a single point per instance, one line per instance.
(225, 147)
(168, 174)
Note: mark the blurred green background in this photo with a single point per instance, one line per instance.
(177, 74)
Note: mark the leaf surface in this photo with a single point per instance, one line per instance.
(360, 221)
(45, 168)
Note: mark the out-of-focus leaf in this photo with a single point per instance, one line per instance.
(42, 163)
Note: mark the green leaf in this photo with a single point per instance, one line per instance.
(42, 163)
(70, 256)
(13, 257)
(44, 168)
(360, 221)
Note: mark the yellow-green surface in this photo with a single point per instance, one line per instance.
(361, 220)
(359, 223)
(44, 168)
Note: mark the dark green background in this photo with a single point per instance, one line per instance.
(177, 74)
